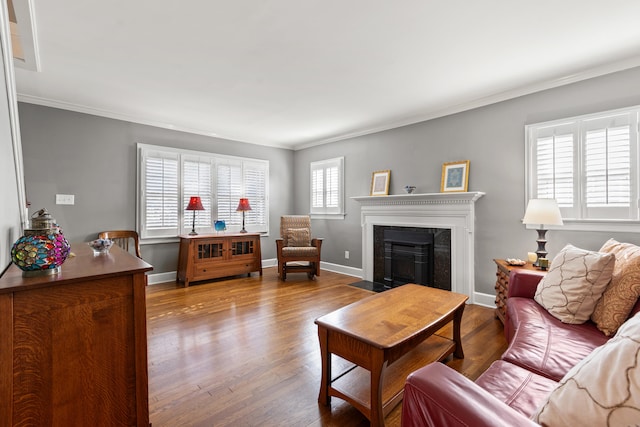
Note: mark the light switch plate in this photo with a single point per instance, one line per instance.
(65, 199)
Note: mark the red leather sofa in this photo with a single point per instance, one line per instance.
(541, 351)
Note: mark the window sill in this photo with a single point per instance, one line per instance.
(611, 226)
(158, 240)
(327, 216)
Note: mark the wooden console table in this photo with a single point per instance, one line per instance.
(211, 256)
(73, 346)
(387, 336)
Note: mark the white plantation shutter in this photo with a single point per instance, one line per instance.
(161, 195)
(168, 177)
(607, 169)
(332, 179)
(317, 188)
(248, 179)
(229, 192)
(554, 168)
(197, 181)
(589, 164)
(256, 190)
(327, 187)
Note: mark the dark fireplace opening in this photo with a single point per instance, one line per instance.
(412, 255)
(408, 257)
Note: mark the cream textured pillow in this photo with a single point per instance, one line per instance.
(575, 283)
(603, 389)
(298, 237)
(622, 293)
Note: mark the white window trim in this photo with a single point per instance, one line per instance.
(323, 212)
(142, 149)
(570, 224)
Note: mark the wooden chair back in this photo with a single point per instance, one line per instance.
(124, 239)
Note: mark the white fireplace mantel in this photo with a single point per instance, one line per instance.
(455, 211)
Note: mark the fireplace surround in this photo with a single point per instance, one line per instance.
(453, 211)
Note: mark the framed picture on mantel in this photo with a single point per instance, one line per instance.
(455, 177)
(380, 183)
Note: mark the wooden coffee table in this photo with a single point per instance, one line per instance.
(387, 336)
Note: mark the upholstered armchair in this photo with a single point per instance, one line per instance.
(297, 246)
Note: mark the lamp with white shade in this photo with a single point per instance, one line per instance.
(542, 212)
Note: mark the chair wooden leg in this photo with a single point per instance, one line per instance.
(282, 271)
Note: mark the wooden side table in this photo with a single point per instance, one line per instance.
(502, 284)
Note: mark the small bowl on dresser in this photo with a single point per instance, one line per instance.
(100, 246)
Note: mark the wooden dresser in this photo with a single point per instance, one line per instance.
(211, 256)
(73, 346)
(502, 284)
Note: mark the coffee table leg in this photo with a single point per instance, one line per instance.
(323, 396)
(457, 320)
(377, 375)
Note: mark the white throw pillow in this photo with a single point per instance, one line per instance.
(601, 390)
(574, 284)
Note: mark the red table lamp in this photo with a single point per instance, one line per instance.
(243, 206)
(195, 204)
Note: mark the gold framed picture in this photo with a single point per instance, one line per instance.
(380, 183)
(455, 176)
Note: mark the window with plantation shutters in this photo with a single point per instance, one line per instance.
(589, 164)
(229, 191)
(160, 194)
(255, 178)
(168, 177)
(243, 178)
(327, 188)
(197, 181)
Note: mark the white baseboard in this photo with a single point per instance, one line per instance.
(154, 279)
(342, 269)
(485, 300)
(273, 262)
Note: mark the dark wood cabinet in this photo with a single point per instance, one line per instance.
(74, 345)
(211, 256)
(502, 284)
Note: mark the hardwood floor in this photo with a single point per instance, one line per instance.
(245, 351)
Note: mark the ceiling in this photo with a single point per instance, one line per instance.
(296, 73)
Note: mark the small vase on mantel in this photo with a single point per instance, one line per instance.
(42, 249)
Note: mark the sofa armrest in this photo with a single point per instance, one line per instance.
(437, 396)
(523, 283)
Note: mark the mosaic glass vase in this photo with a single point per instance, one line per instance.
(42, 249)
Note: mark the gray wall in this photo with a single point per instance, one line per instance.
(94, 158)
(492, 138)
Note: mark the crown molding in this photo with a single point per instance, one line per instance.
(484, 101)
(421, 117)
(46, 102)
